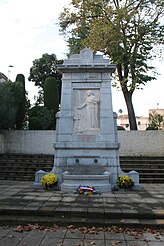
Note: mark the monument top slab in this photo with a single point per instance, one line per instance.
(86, 59)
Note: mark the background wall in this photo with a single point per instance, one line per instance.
(133, 143)
(1, 143)
(141, 143)
(29, 142)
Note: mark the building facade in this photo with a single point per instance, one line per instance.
(123, 121)
(3, 77)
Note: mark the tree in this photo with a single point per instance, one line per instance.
(156, 122)
(45, 67)
(40, 118)
(13, 103)
(8, 106)
(51, 96)
(75, 42)
(20, 100)
(124, 30)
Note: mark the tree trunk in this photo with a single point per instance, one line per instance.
(131, 113)
(127, 96)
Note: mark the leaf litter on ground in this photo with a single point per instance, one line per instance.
(135, 232)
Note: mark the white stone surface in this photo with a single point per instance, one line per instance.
(28, 142)
(86, 111)
(1, 143)
(38, 176)
(100, 182)
(132, 143)
(141, 143)
(90, 144)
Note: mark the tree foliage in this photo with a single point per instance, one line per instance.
(13, 103)
(156, 122)
(45, 67)
(40, 118)
(51, 96)
(125, 30)
(20, 96)
(8, 106)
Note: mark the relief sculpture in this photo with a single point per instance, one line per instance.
(86, 114)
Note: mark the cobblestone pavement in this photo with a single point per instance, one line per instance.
(71, 236)
(21, 203)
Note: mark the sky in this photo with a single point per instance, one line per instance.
(29, 29)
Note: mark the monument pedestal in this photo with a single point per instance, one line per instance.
(95, 160)
(100, 182)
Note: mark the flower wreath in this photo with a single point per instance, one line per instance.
(86, 190)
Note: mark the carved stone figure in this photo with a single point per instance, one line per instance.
(90, 106)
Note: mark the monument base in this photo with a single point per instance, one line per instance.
(72, 182)
(104, 182)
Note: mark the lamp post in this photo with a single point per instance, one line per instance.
(10, 66)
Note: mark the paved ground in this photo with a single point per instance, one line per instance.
(21, 204)
(71, 236)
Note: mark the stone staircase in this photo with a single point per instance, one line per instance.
(151, 169)
(23, 167)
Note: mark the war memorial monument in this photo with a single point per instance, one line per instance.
(86, 142)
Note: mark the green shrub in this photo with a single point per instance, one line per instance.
(40, 118)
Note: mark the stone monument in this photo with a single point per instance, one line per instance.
(86, 145)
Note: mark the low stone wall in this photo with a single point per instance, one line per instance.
(133, 143)
(29, 142)
(1, 143)
(141, 143)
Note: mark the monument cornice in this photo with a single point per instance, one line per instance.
(96, 68)
(86, 145)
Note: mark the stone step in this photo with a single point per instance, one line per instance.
(151, 169)
(142, 157)
(23, 167)
(145, 167)
(26, 158)
(26, 169)
(22, 164)
(152, 164)
(152, 180)
(25, 162)
(147, 171)
(20, 173)
(152, 175)
(17, 178)
(155, 170)
(142, 162)
(10, 219)
(79, 217)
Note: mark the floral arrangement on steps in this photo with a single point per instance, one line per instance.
(125, 182)
(86, 190)
(49, 180)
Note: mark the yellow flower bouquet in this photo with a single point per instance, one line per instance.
(49, 180)
(125, 182)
